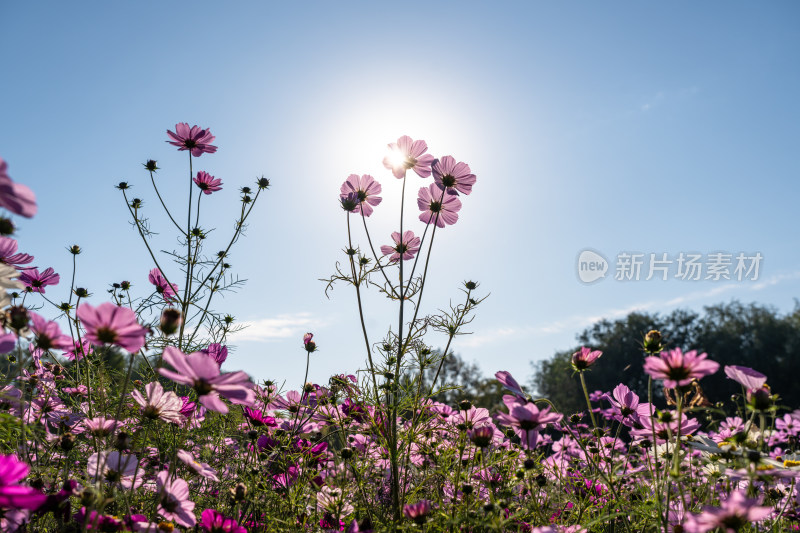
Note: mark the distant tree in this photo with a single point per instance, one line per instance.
(732, 334)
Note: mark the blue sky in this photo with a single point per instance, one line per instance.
(655, 128)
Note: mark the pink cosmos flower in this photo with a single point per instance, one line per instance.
(79, 350)
(584, 358)
(452, 176)
(100, 426)
(36, 282)
(48, 334)
(664, 431)
(111, 324)
(202, 373)
(747, 377)
(202, 469)
(217, 352)
(732, 515)
(624, 402)
(307, 338)
(165, 289)
(408, 154)
(9, 255)
(159, 404)
(215, 522)
(418, 512)
(678, 369)
(366, 188)
(115, 467)
(526, 420)
(15, 197)
(13, 495)
(510, 384)
(174, 501)
(438, 207)
(207, 183)
(407, 247)
(195, 139)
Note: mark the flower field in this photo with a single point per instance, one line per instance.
(124, 416)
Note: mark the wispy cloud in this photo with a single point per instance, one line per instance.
(662, 97)
(577, 322)
(275, 328)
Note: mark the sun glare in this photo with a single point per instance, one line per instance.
(396, 158)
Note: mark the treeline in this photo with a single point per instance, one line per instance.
(751, 335)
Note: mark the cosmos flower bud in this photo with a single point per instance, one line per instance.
(66, 442)
(151, 165)
(17, 318)
(171, 320)
(760, 399)
(481, 436)
(123, 441)
(349, 202)
(123, 185)
(81, 292)
(310, 345)
(6, 226)
(584, 358)
(239, 492)
(262, 182)
(74, 249)
(465, 405)
(471, 285)
(652, 342)
(346, 453)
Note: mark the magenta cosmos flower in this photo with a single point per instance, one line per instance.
(746, 377)
(13, 495)
(202, 373)
(15, 197)
(732, 515)
(678, 369)
(213, 521)
(36, 281)
(438, 207)
(9, 255)
(110, 324)
(207, 183)
(407, 247)
(408, 154)
(452, 176)
(584, 358)
(366, 188)
(195, 139)
(163, 287)
(174, 503)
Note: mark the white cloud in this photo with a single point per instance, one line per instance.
(577, 322)
(279, 327)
